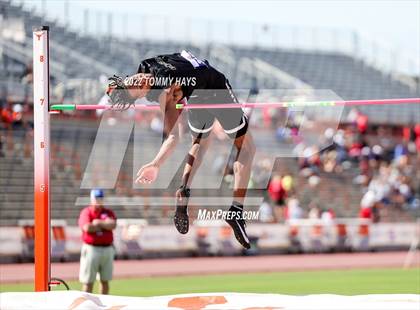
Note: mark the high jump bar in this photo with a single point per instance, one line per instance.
(286, 104)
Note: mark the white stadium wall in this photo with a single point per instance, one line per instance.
(136, 239)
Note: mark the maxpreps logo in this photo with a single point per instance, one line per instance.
(219, 214)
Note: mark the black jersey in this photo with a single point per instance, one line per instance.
(208, 85)
(183, 69)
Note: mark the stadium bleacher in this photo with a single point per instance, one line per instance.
(84, 57)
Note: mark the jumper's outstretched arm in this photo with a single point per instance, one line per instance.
(167, 100)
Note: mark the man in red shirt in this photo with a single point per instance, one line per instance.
(97, 254)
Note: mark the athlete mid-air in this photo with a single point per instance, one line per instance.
(170, 80)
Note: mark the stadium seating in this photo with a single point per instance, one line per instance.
(348, 77)
(72, 143)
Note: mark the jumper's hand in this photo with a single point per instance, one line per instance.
(147, 174)
(119, 94)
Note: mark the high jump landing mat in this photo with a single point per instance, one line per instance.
(76, 300)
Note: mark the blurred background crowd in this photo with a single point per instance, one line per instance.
(368, 168)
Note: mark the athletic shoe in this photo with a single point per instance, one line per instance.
(238, 227)
(181, 220)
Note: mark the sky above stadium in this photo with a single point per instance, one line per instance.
(395, 24)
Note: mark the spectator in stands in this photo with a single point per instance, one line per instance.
(404, 195)
(400, 150)
(369, 207)
(356, 145)
(328, 215)
(365, 213)
(362, 123)
(293, 209)
(314, 211)
(310, 162)
(277, 194)
(97, 254)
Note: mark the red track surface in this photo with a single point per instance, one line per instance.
(14, 273)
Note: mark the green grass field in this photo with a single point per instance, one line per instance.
(348, 282)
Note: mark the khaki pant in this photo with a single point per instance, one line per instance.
(96, 260)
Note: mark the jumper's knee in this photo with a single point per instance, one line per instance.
(238, 167)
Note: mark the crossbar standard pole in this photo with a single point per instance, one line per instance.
(258, 105)
(42, 158)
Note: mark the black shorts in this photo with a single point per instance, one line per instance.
(201, 121)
